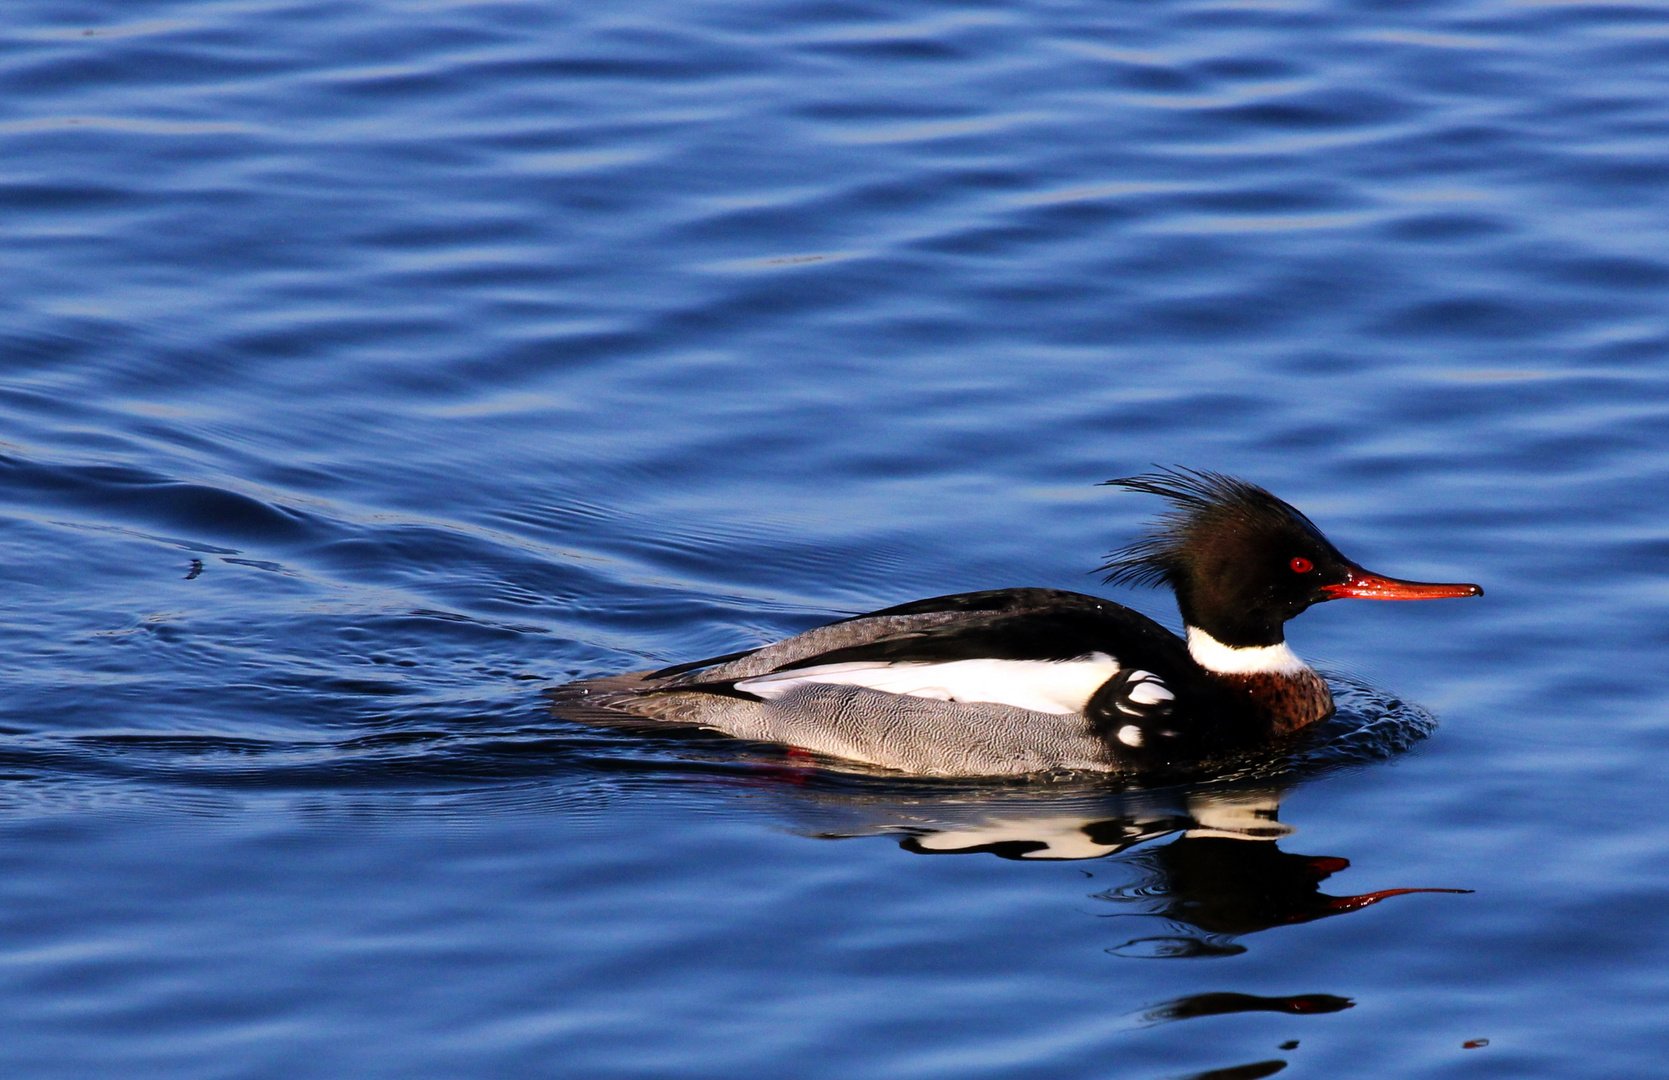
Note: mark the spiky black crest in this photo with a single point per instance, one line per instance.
(1202, 503)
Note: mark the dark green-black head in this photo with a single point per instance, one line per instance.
(1241, 561)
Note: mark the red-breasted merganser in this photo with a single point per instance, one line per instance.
(1017, 681)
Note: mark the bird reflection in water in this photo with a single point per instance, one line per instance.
(1223, 877)
(1222, 1004)
(1257, 1070)
(1220, 877)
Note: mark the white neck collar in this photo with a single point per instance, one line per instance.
(1213, 655)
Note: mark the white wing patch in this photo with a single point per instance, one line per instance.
(1143, 690)
(1148, 690)
(1060, 687)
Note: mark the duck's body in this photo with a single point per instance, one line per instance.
(1006, 682)
(1017, 681)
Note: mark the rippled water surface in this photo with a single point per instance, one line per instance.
(367, 368)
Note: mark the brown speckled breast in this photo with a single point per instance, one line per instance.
(1291, 702)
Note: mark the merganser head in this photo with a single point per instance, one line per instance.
(1243, 562)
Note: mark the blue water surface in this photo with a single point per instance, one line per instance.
(368, 367)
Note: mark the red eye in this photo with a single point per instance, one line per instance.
(1301, 565)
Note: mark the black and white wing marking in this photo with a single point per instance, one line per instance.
(1135, 708)
(1035, 649)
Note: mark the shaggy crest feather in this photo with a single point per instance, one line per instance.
(1201, 501)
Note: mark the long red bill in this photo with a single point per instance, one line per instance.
(1366, 586)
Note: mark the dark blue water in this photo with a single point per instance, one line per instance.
(367, 368)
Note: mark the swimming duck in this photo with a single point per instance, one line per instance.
(1016, 681)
